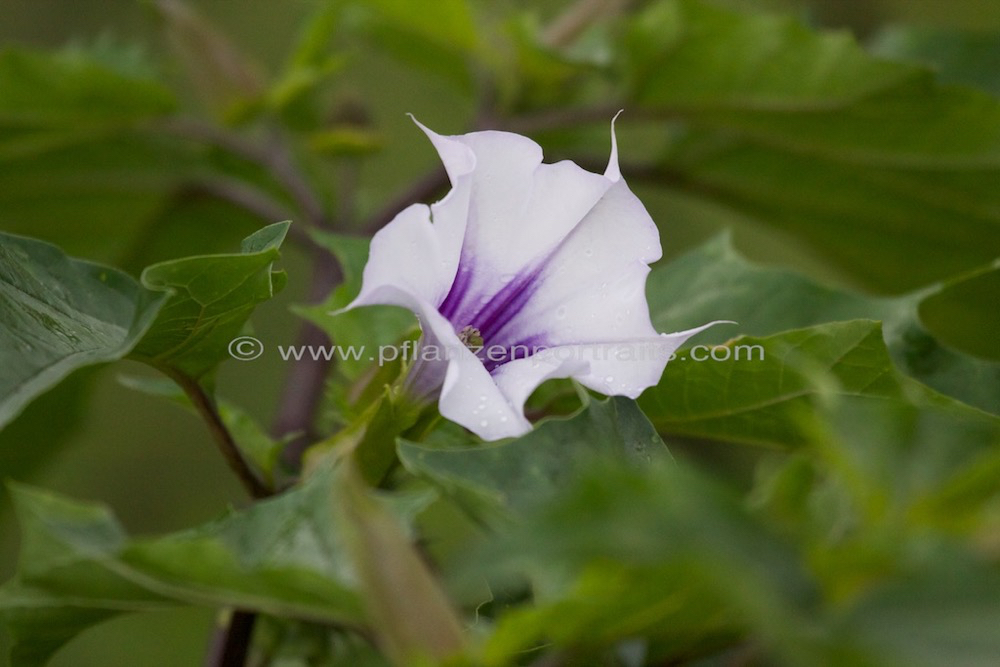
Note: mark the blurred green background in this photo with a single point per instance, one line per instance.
(155, 464)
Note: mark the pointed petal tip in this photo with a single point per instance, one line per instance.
(458, 158)
(355, 303)
(696, 330)
(423, 127)
(613, 173)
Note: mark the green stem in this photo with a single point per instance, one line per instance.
(208, 411)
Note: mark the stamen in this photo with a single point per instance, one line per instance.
(472, 338)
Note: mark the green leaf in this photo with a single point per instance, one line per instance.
(60, 314)
(876, 167)
(948, 615)
(765, 391)
(892, 506)
(211, 298)
(714, 282)
(529, 469)
(62, 588)
(284, 556)
(933, 465)
(885, 490)
(958, 56)
(661, 555)
(281, 556)
(653, 553)
(963, 313)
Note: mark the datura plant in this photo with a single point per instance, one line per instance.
(505, 429)
(523, 273)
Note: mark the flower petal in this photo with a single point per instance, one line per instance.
(407, 254)
(469, 396)
(519, 378)
(458, 158)
(613, 172)
(614, 368)
(516, 211)
(530, 254)
(593, 288)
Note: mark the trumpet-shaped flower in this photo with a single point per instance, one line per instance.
(524, 272)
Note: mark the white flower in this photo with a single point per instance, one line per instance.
(522, 273)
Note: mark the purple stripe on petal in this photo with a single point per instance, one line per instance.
(459, 289)
(464, 274)
(505, 304)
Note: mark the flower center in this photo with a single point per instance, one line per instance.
(472, 338)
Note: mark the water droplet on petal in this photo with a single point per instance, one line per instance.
(503, 418)
(561, 312)
(609, 379)
(484, 423)
(506, 278)
(589, 252)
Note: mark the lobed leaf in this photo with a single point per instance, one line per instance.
(284, 556)
(766, 391)
(717, 283)
(211, 298)
(529, 469)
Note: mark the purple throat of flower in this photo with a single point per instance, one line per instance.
(484, 325)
